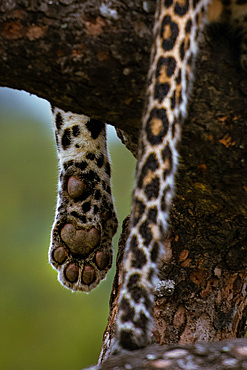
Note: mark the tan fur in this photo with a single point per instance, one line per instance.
(156, 126)
(214, 10)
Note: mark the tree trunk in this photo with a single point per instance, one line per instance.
(92, 57)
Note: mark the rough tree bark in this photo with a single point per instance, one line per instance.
(231, 354)
(88, 56)
(92, 57)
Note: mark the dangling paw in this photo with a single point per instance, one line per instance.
(85, 221)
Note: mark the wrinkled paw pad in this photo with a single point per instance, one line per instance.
(80, 241)
(81, 247)
(81, 266)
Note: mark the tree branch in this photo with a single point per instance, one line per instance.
(224, 355)
(89, 56)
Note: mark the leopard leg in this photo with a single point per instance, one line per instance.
(177, 29)
(85, 220)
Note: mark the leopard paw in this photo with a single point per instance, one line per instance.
(85, 222)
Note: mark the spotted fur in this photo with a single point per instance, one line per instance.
(85, 219)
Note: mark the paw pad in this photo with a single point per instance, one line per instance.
(76, 187)
(72, 272)
(60, 255)
(88, 275)
(102, 259)
(80, 241)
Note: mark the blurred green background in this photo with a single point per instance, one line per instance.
(42, 324)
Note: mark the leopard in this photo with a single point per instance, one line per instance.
(85, 219)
